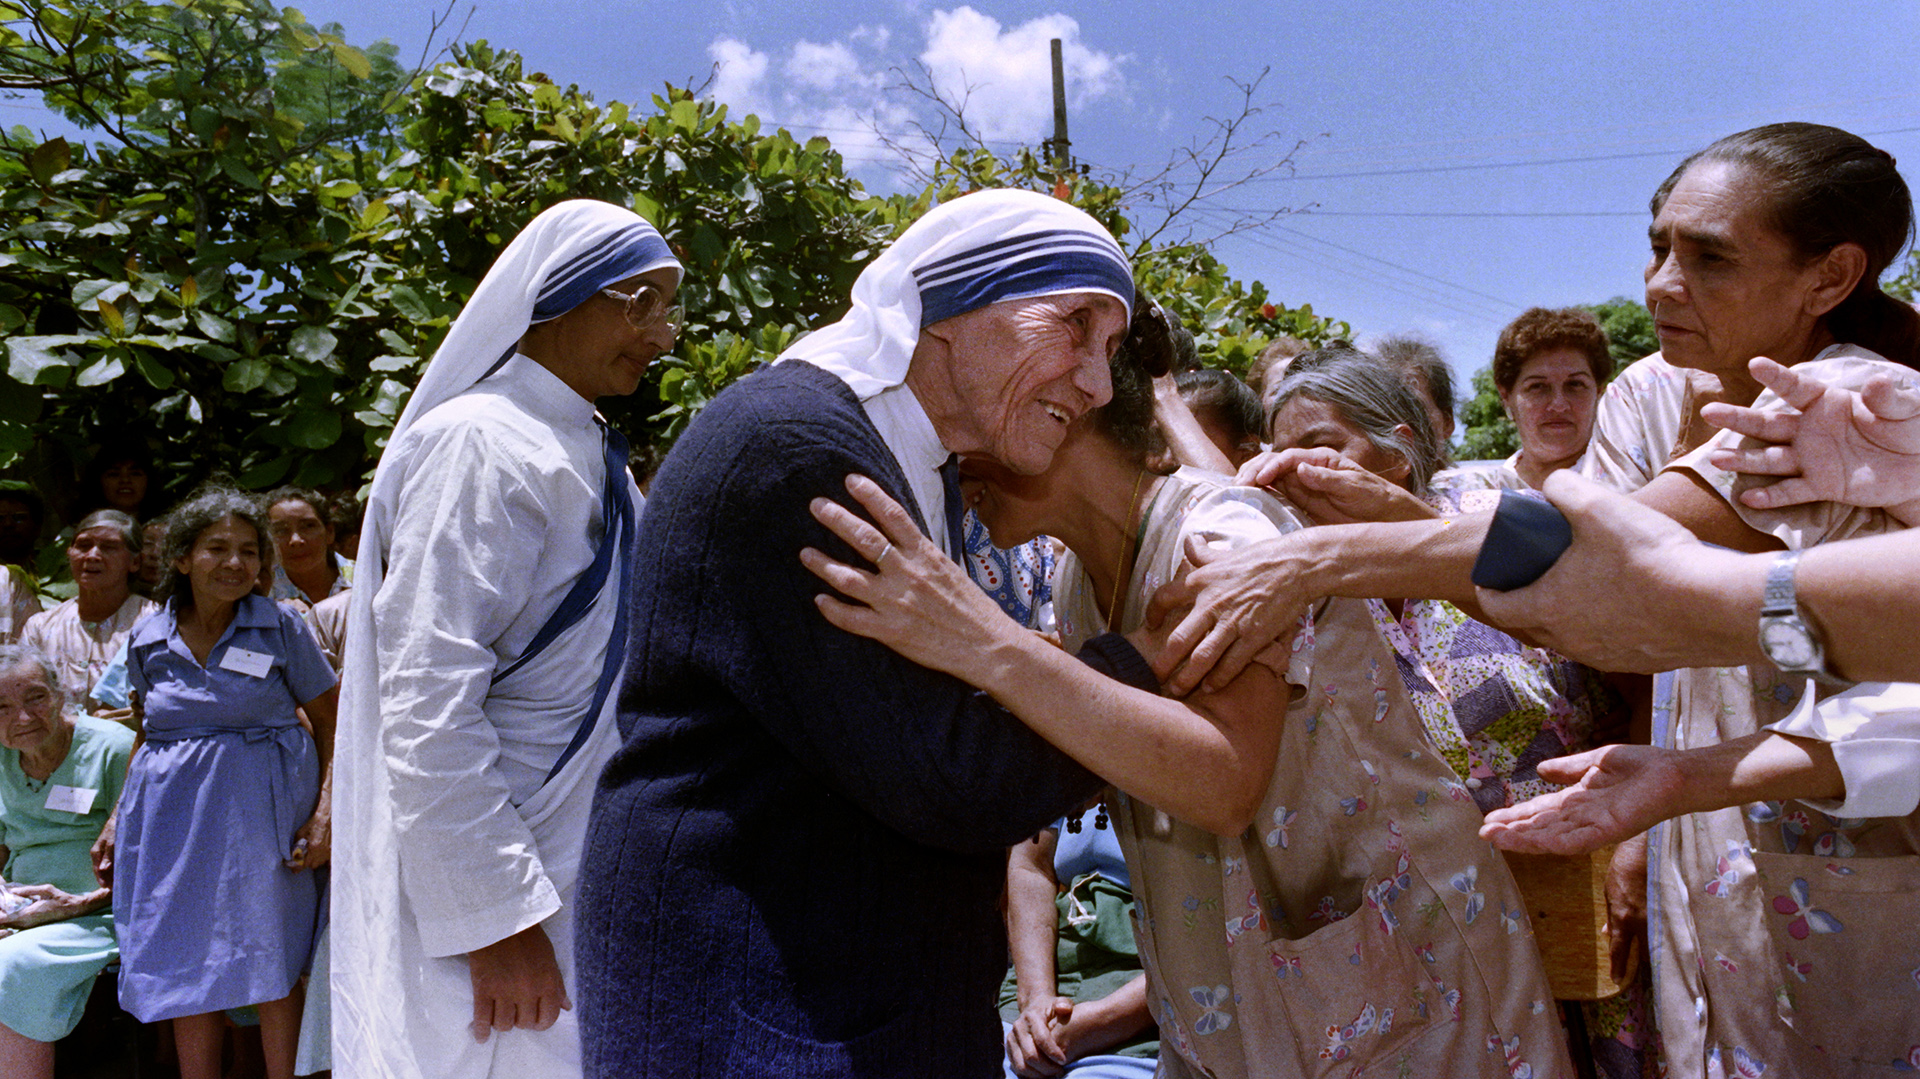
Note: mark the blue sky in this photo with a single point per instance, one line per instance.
(1461, 161)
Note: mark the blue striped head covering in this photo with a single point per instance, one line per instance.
(981, 249)
(565, 255)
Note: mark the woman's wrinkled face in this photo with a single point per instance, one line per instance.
(1306, 423)
(300, 538)
(1552, 403)
(100, 559)
(29, 711)
(123, 486)
(1016, 374)
(1724, 286)
(599, 353)
(224, 563)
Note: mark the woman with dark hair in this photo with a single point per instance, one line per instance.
(305, 567)
(1769, 243)
(1548, 367)
(84, 634)
(120, 477)
(226, 804)
(1308, 881)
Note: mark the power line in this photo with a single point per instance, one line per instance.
(1501, 300)
(1483, 166)
(1504, 303)
(1446, 213)
(1460, 305)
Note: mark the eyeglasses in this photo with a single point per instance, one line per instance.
(646, 308)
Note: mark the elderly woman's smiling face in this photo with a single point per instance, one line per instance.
(29, 708)
(1004, 382)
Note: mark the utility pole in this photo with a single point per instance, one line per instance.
(1058, 147)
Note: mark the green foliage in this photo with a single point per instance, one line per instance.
(1487, 433)
(275, 229)
(1904, 284)
(1629, 327)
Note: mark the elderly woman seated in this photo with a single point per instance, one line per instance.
(83, 634)
(60, 774)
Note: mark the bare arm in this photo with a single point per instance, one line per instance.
(1636, 592)
(313, 844)
(1033, 941)
(1242, 602)
(1617, 792)
(1185, 437)
(1207, 762)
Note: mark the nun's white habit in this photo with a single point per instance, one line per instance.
(461, 790)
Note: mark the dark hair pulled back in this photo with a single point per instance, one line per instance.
(1829, 187)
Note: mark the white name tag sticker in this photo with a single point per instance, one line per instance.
(71, 799)
(252, 664)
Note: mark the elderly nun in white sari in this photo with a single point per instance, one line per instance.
(486, 632)
(796, 858)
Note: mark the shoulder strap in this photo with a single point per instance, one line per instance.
(616, 538)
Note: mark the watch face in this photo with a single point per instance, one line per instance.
(1787, 644)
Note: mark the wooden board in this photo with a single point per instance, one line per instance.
(1566, 896)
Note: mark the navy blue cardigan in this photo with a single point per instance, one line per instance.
(795, 858)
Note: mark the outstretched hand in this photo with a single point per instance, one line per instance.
(1614, 793)
(1330, 488)
(916, 600)
(1862, 449)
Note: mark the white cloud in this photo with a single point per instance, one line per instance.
(1005, 76)
(824, 67)
(848, 87)
(738, 72)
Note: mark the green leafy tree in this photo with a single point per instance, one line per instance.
(274, 231)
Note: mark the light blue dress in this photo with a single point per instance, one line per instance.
(46, 972)
(209, 916)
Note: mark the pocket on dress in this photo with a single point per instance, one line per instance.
(1350, 992)
(1846, 952)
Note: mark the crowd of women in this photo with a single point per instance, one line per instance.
(1259, 704)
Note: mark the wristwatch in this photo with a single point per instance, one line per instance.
(1784, 634)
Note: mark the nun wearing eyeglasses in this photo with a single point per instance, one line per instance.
(797, 854)
(485, 634)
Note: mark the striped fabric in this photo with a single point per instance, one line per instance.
(632, 250)
(965, 254)
(1030, 264)
(566, 253)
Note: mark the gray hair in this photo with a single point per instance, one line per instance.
(14, 656)
(116, 520)
(1371, 396)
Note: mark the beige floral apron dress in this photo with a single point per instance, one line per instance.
(1785, 942)
(1360, 927)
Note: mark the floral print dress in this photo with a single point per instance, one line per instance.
(1784, 940)
(1360, 927)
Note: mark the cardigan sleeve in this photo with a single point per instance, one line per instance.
(920, 751)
